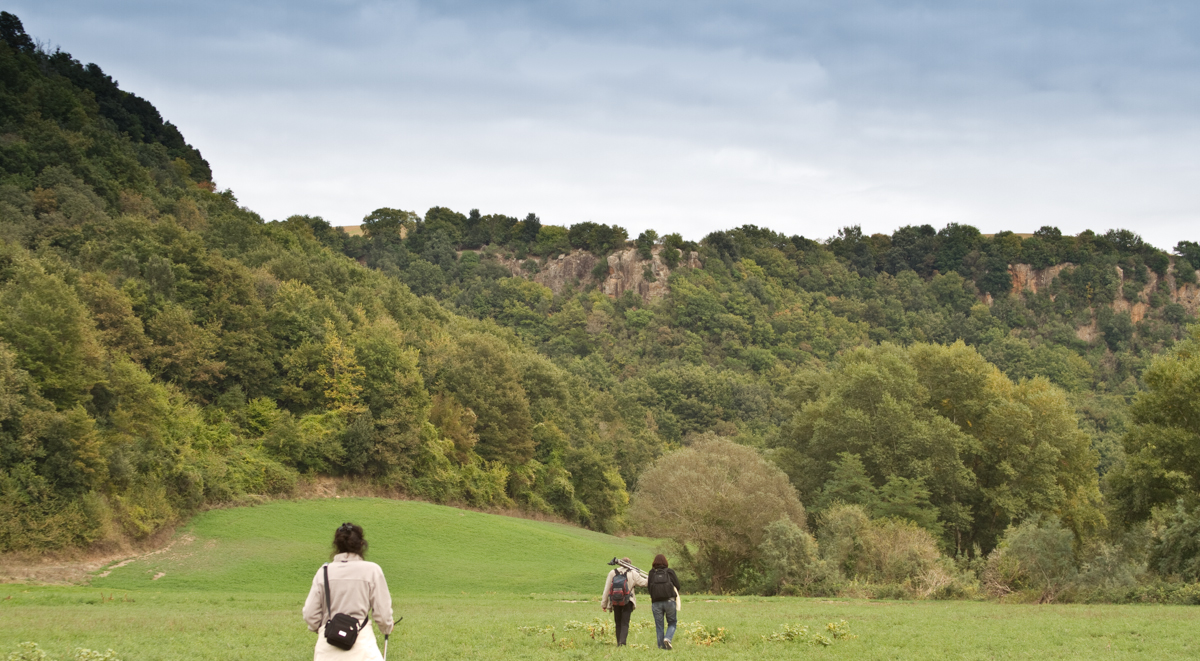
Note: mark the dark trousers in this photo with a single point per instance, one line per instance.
(621, 618)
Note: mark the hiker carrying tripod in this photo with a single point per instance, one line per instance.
(619, 596)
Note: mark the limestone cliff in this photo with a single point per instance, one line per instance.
(557, 273)
(1028, 279)
(626, 271)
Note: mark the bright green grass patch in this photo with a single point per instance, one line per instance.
(423, 549)
(200, 626)
(232, 586)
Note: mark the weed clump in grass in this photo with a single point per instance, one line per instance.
(30, 651)
(702, 635)
(840, 630)
(598, 630)
(596, 627)
(796, 633)
(533, 631)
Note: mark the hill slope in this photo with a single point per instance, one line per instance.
(423, 549)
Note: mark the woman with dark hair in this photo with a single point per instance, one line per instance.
(356, 588)
(664, 599)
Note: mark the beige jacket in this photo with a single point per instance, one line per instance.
(356, 587)
(636, 580)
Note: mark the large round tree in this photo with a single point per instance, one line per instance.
(714, 500)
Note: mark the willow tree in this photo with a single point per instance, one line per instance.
(714, 500)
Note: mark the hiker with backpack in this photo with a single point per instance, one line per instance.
(619, 596)
(663, 585)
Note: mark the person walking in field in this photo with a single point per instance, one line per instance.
(347, 589)
(663, 585)
(619, 596)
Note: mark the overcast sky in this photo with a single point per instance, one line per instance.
(688, 116)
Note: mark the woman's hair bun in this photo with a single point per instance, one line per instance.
(348, 538)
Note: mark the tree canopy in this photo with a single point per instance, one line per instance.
(714, 500)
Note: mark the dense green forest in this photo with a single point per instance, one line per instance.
(164, 349)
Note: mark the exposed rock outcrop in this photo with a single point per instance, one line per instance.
(626, 271)
(1088, 333)
(1025, 278)
(557, 273)
(1188, 296)
(1138, 308)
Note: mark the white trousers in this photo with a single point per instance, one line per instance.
(365, 648)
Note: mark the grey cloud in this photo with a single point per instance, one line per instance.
(797, 115)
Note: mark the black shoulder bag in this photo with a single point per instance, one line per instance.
(341, 630)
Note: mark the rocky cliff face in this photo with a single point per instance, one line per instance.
(1188, 296)
(626, 271)
(1137, 308)
(575, 267)
(1027, 278)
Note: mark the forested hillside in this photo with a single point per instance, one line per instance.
(163, 349)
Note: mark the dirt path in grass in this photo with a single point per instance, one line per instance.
(78, 570)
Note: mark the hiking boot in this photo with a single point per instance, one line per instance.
(666, 643)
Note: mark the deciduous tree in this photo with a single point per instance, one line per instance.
(714, 501)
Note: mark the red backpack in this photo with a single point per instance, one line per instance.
(620, 592)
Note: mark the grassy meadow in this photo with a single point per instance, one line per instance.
(472, 585)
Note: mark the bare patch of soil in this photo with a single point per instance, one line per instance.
(78, 568)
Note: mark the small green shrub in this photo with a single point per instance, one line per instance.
(1185, 273)
(1131, 291)
(1036, 558)
(790, 560)
(896, 550)
(840, 534)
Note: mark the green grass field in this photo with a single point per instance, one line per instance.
(232, 584)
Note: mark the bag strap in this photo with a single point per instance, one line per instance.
(328, 608)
